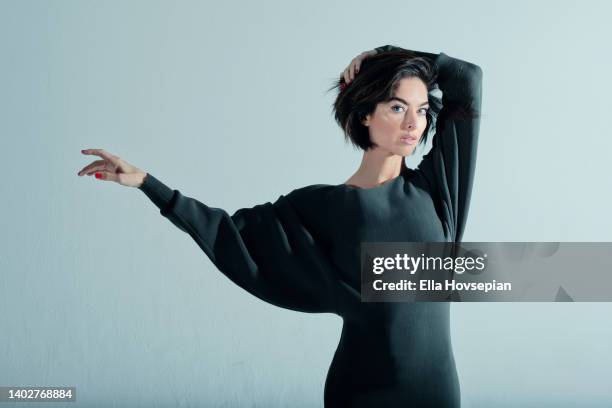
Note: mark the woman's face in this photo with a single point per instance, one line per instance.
(397, 126)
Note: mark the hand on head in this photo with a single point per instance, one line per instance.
(353, 67)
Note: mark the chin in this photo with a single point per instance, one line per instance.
(407, 151)
(401, 150)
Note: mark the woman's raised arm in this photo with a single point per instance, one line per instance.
(460, 81)
(450, 164)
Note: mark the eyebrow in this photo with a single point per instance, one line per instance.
(404, 102)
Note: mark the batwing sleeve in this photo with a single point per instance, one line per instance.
(266, 250)
(450, 164)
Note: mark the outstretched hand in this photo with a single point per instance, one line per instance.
(113, 168)
(353, 67)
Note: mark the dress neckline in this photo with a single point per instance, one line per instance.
(384, 185)
(404, 172)
(354, 187)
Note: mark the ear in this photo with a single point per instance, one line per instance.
(366, 120)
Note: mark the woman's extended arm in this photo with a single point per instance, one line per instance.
(266, 249)
(449, 166)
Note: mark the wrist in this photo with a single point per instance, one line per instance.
(141, 179)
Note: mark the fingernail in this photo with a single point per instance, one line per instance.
(99, 175)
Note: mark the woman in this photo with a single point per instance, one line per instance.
(302, 252)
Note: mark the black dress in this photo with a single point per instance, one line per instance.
(302, 252)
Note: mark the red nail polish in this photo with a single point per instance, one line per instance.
(99, 175)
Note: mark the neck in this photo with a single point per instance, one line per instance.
(377, 167)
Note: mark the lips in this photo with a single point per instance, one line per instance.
(409, 140)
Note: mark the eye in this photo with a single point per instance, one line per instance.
(400, 108)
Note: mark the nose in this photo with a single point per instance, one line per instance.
(410, 120)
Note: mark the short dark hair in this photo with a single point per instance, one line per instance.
(377, 81)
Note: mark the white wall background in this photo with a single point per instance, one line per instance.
(227, 103)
